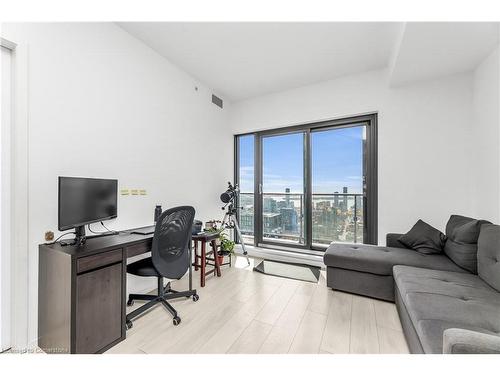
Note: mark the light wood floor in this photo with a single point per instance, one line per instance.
(248, 312)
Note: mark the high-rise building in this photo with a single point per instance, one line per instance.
(323, 205)
(289, 219)
(246, 222)
(280, 205)
(344, 199)
(269, 205)
(272, 223)
(287, 197)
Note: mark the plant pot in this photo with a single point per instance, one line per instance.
(220, 259)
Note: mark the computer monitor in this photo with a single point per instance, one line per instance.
(86, 200)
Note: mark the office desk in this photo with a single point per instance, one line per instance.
(82, 292)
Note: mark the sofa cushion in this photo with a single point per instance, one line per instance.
(379, 260)
(424, 238)
(438, 300)
(461, 245)
(392, 240)
(488, 255)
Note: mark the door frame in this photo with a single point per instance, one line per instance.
(21, 262)
(6, 253)
(370, 195)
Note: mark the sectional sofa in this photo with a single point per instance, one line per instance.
(447, 302)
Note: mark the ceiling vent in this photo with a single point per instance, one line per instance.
(217, 101)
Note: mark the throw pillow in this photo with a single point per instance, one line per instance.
(461, 246)
(424, 238)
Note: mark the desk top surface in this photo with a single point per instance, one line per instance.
(95, 245)
(207, 236)
(100, 244)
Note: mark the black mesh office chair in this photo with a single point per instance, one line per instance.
(170, 258)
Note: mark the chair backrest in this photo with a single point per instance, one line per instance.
(172, 241)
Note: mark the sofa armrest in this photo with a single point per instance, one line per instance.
(391, 240)
(463, 341)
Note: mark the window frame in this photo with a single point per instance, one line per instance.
(370, 167)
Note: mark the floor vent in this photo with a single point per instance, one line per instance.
(217, 101)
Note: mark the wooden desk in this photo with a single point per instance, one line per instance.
(82, 292)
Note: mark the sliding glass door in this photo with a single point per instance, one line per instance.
(305, 187)
(337, 185)
(282, 188)
(245, 177)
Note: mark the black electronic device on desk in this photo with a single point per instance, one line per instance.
(84, 201)
(144, 230)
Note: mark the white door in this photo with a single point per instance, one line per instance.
(5, 230)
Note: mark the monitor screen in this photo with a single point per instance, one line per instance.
(86, 200)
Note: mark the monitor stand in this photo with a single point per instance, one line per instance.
(80, 237)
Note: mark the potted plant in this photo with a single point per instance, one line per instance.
(226, 247)
(225, 243)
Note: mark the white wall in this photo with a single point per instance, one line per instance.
(424, 139)
(486, 135)
(103, 104)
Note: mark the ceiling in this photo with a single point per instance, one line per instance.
(429, 50)
(244, 60)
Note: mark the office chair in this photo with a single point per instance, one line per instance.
(170, 258)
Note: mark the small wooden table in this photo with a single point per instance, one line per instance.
(201, 261)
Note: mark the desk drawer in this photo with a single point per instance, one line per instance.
(98, 260)
(138, 249)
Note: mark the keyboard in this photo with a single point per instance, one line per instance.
(144, 230)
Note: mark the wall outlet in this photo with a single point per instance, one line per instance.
(134, 192)
(125, 192)
(142, 192)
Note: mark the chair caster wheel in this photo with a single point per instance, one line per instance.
(196, 297)
(177, 321)
(129, 324)
(130, 302)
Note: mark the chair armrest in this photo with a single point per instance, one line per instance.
(463, 341)
(391, 240)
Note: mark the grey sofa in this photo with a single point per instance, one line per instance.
(444, 307)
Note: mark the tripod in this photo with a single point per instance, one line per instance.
(231, 222)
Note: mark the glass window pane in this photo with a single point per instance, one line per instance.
(337, 185)
(283, 188)
(246, 184)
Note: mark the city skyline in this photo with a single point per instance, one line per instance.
(334, 217)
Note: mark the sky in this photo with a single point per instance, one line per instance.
(337, 161)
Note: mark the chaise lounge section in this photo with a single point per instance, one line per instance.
(444, 307)
(367, 269)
